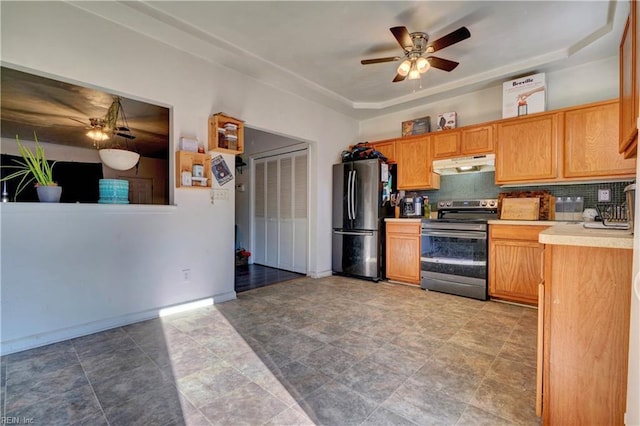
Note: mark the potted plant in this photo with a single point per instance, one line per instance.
(34, 167)
(242, 257)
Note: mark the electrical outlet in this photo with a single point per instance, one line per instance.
(186, 275)
(604, 195)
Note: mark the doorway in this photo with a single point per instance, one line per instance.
(272, 209)
(280, 220)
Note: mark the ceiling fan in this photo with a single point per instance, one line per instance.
(415, 46)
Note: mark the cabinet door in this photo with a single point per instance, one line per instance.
(476, 140)
(403, 253)
(590, 143)
(388, 149)
(414, 164)
(445, 144)
(514, 270)
(526, 149)
(628, 72)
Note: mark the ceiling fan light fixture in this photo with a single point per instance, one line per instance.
(423, 65)
(97, 135)
(414, 74)
(404, 67)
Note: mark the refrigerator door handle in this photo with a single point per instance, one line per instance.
(349, 195)
(357, 233)
(353, 195)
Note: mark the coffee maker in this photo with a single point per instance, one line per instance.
(412, 206)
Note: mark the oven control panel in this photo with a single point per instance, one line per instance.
(468, 204)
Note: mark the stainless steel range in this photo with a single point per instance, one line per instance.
(455, 248)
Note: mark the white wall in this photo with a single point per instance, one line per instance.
(595, 81)
(68, 270)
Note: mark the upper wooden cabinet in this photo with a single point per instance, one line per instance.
(629, 86)
(526, 149)
(415, 163)
(572, 144)
(388, 149)
(476, 140)
(413, 159)
(445, 144)
(590, 148)
(472, 140)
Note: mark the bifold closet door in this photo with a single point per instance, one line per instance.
(280, 206)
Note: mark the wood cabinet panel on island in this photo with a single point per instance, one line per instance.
(514, 262)
(585, 334)
(403, 251)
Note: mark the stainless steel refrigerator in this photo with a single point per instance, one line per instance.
(358, 214)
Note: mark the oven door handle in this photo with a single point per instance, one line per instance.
(454, 234)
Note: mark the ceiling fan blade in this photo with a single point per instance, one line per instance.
(454, 37)
(379, 60)
(399, 78)
(404, 38)
(443, 64)
(78, 120)
(125, 135)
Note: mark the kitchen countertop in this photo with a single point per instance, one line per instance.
(574, 234)
(529, 222)
(403, 219)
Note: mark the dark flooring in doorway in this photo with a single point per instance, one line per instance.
(254, 276)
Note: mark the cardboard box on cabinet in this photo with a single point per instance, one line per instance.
(447, 120)
(417, 126)
(522, 96)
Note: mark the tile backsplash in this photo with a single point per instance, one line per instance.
(481, 185)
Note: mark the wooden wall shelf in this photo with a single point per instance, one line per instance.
(221, 138)
(185, 160)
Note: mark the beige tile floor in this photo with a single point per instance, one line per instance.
(333, 351)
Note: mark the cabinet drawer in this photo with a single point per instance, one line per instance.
(403, 228)
(516, 232)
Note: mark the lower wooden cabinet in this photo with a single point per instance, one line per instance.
(515, 267)
(403, 251)
(585, 335)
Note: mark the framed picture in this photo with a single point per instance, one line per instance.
(221, 170)
(417, 126)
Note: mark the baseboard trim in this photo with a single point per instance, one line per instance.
(47, 338)
(321, 274)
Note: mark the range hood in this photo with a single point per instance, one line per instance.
(454, 166)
